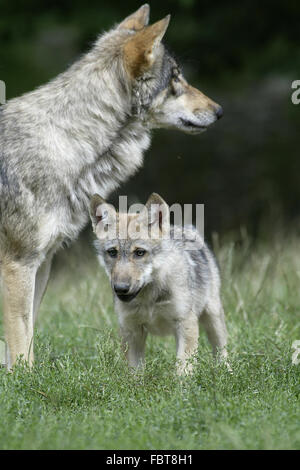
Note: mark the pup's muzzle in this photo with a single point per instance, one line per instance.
(122, 290)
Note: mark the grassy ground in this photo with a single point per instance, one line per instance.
(81, 396)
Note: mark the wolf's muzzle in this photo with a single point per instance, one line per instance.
(219, 111)
(127, 297)
(122, 288)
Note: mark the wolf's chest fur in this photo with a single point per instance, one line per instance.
(160, 318)
(104, 173)
(156, 317)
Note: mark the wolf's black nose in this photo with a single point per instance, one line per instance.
(219, 111)
(121, 288)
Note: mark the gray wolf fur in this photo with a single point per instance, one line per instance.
(163, 285)
(83, 132)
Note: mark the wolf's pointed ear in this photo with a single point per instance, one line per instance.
(96, 201)
(158, 213)
(137, 20)
(100, 211)
(141, 49)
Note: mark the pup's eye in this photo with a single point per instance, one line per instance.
(112, 252)
(139, 252)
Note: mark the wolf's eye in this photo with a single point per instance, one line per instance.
(139, 252)
(112, 252)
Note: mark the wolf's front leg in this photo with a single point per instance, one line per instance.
(213, 320)
(134, 340)
(41, 282)
(186, 335)
(18, 294)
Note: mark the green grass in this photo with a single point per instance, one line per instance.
(80, 394)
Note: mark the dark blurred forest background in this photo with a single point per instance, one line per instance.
(244, 55)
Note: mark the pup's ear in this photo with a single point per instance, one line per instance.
(101, 213)
(141, 49)
(136, 20)
(158, 215)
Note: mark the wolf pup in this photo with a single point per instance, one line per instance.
(82, 133)
(163, 285)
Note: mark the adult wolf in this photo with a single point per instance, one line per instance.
(83, 133)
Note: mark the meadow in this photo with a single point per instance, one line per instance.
(80, 394)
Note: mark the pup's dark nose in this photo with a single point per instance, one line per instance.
(219, 111)
(122, 288)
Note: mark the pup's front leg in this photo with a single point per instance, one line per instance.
(134, 340)
(187, 333)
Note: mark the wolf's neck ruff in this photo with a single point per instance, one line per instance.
(101, 143)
